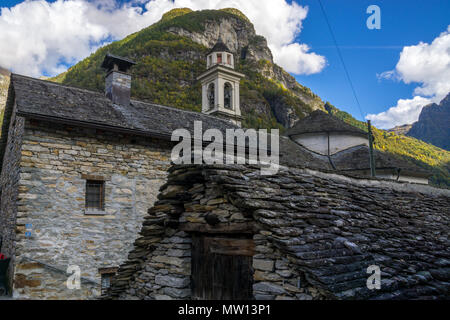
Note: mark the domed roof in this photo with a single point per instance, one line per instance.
(220, 46)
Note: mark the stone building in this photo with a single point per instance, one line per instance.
(346, 147)
(228, 232)
(81, 168)
(79, 171)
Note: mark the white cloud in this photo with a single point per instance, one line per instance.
(406, 111)
(39, 37)
(425, 64)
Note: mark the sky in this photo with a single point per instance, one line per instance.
(385, 74)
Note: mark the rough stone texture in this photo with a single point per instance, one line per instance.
(9, 190)
(52, 200)
(315, 233)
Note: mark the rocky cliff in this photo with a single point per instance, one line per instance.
(170, 54)
(4, 84)
(433, 125)
(403, 129)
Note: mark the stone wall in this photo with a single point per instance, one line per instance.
(276, 277)
(159, 267)
(54, 166)
(315, 234)
(9, 190)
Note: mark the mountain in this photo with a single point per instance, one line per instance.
(170, 54)
(403, 129)
(433, 125)
(4, 83)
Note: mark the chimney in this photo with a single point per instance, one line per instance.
(118, 79)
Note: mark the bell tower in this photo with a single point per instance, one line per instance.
(220, 85)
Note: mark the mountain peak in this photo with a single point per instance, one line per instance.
(432, 126)
(175, 13)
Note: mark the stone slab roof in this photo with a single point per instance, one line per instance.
(319, 121)
(220, 46)
(331, 228)
(357, 158)
(52, 101)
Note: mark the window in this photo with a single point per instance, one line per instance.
(228, 96)
(209, 60)
(211, 95)
(106, 274)
(106, 282)
(219, 58)
(229, 59)
(95, 195)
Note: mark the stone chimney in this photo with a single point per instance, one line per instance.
(118, 79)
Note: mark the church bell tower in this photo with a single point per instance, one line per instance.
(220, 85)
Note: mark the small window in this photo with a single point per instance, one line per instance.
(209, 60)
(229, 59)
(106, 282)
(219, 58)
(107, 274)
(95, 195)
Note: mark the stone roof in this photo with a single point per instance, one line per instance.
(220, 46)
(121, 62)
(330, 228)
(55, 102)
(51, 101)
(320, 121)
(357, 158)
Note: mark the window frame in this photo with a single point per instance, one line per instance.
(106, 273)
(95, 210)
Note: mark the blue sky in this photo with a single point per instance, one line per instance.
(49, 38)
(403, 23)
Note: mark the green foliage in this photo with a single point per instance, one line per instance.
(175, 13)
(236, 12)
(4, 85)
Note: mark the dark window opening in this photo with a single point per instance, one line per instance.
(95, 195)
(228, 96)
(106, 282)
(219, 58)
(211, 95)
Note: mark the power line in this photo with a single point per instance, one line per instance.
(342, 59)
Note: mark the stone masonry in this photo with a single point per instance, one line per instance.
(54, 166)
(315, 234)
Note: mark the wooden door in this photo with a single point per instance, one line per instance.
(222, 268)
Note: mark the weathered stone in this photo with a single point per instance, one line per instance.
(171, 281)
(177, 293)
(266, 265)
(269, 287)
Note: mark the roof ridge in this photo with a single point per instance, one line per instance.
(99, 93)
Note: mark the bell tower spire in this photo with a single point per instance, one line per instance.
(220, 84)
